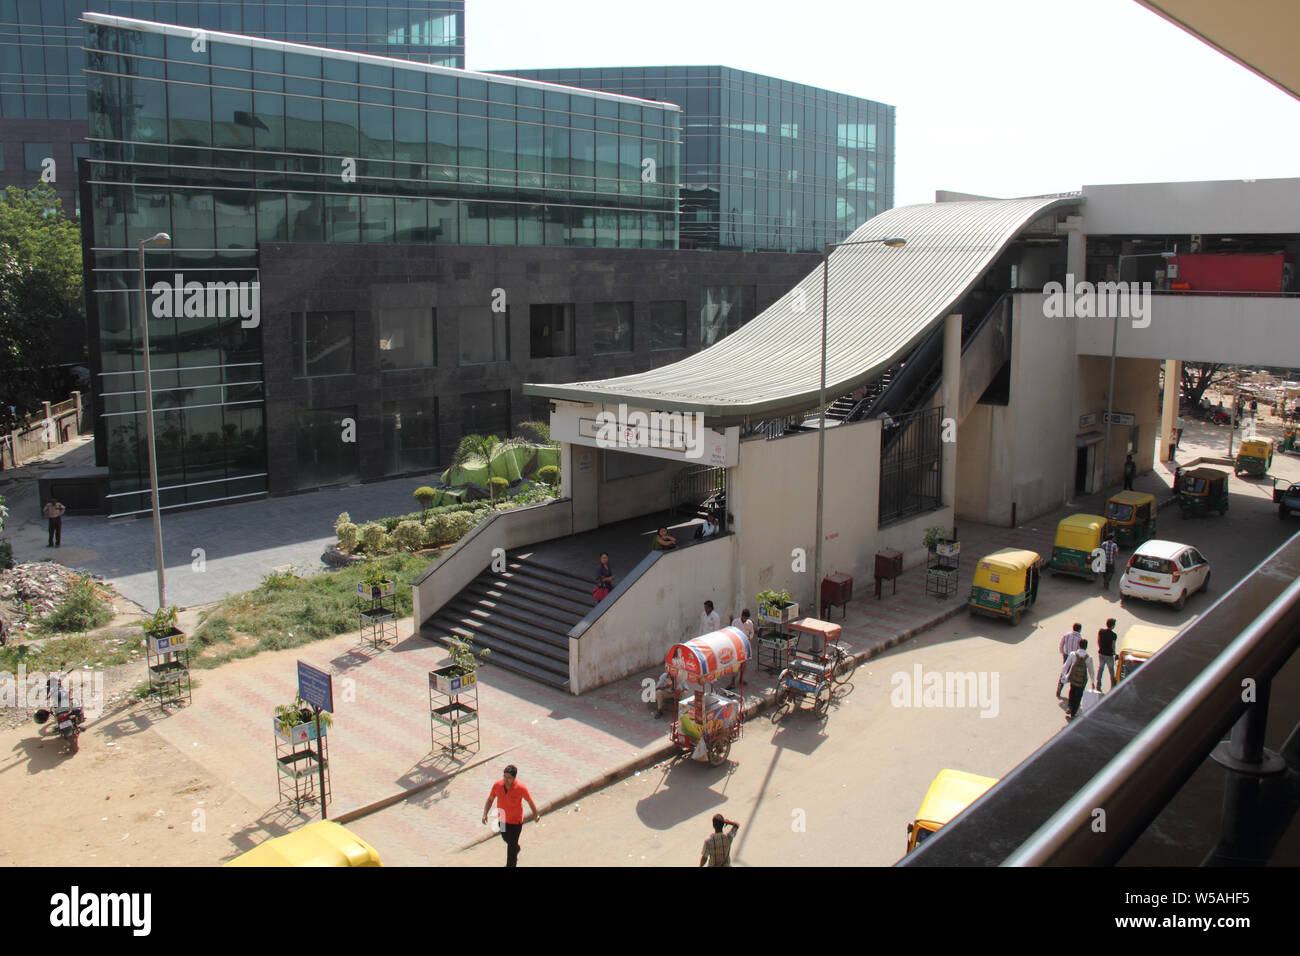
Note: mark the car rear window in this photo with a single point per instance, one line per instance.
(1145, 562)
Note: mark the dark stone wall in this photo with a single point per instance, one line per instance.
(366, 279)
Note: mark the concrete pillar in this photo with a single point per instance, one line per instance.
(951, 401)
(1076, 249)
(76, 395)
(583, 487)
(1169, 408)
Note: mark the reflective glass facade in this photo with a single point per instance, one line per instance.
(40, 40)
(766, 164)
(250, 141)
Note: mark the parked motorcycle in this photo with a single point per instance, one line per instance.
(68, 714)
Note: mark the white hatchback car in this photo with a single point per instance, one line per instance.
(1164, 571)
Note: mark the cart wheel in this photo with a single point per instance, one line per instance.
(718, 752)
(778, 711)
(848, 664)
(822, 703)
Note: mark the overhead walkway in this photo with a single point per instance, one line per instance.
(883, 303)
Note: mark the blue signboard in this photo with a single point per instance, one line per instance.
(315, 687)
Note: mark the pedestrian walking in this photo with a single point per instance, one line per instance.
(717, 848)
(1178, 431)
(1108, 550)
(1078, 670)
(510, 797)
(54, 511)
(709, 620)
(1130, 472)
(1106, 638)
(604, 579)
(1069, 644)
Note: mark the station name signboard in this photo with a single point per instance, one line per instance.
(1119, 418)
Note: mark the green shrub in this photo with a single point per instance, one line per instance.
(499, 486)
(548, 474)
(425, 496)
(348, 534)
(80, 610)
(409, 535)
(374, 539)
(462, 523)
(342, 519)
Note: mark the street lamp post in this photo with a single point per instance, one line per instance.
(1114, 344)
(893, 243)
(160, 238)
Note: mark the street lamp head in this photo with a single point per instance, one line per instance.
(158, 238)
(893, 242)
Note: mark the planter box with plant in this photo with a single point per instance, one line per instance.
(373, 584)
(295, 723)
(163, 634)
(776, 606)
(462, 673)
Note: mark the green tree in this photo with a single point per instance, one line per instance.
(472, 447)
(1199, 376)
(40, 295)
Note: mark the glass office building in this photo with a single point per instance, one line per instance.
(246, 141)
(767, 164)
(43, 89)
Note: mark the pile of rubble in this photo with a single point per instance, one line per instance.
(30, 592)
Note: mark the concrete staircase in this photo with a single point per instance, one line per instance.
(523, 614)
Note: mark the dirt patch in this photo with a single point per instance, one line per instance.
(222, 651)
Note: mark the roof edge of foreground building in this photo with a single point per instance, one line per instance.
(882, 302)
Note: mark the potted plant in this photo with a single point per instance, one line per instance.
(373, 584)
(161, 630)
(934, 535)
(776, 606)
(462, 673)
(296, 722)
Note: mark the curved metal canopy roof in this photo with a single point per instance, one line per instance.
(882, 302)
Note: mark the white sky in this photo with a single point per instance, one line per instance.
(996, 97)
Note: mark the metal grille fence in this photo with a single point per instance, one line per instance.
(911, 465)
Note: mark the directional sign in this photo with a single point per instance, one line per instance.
(1119, 418)
(315, 686)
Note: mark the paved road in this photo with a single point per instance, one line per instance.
(239, 543)
(843, 794)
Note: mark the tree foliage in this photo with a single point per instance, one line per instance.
(40, 292)
(1198, 377)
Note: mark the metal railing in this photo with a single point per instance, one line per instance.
(911, 464)
(1130, 754)
(699, 488)
(53, 425)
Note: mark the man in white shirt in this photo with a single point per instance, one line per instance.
(745, 623)
(1069, 644)
(709, 620)
(710, 527)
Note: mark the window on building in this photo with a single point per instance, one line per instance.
(485, 413)
(484, 335)
(2, 157)
(410, 435)
(322, 343)
(611, 327)
(407, 338)
(35, 154)
(723, 310)
(324, 457)
(550, 327)
(668, 325)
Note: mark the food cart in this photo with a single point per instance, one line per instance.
(707, 721)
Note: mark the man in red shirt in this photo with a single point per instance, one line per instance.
(510, 797)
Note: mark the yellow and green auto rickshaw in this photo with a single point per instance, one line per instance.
(1077, 538)
(1132, 516)
(950, 793)
(1006, 584)
(1254, 457)
(323, 843)
(1138, 644)
(1202, 490)
(1289, 440)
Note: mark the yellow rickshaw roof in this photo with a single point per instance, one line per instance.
(323, 843)
(1010, 559)
(1145, 639)
(1081, 523)
(1254, 445)
(1136, 498)
(1210, 473)
(951, 792)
